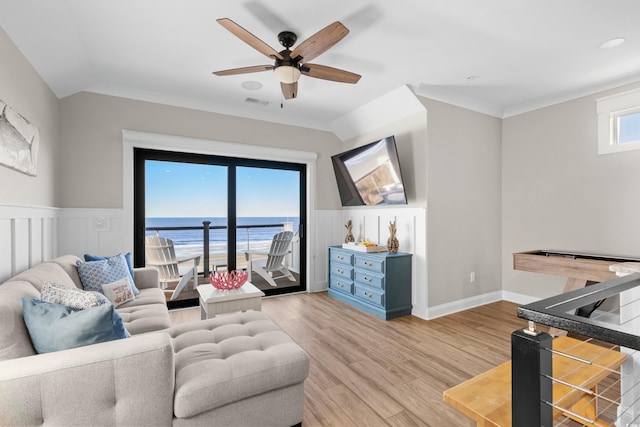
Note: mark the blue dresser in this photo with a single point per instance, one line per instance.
(378, 283)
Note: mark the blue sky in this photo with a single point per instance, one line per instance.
(629, 128)
(193, 190)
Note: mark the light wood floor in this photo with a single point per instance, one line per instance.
(370, 372)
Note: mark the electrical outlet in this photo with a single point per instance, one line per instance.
(100, 223)
(472, 277)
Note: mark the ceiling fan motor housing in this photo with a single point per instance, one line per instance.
(287, 38)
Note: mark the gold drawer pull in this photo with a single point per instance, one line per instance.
(367, 263)
(339, 284)
(339, 257)
(367, 295)
(367, 279)
(339, 270)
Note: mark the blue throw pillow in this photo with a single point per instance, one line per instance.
(127, 257)
(94, 274)
(54, 327)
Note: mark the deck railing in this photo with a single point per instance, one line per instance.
(615, 321)
(207, 227)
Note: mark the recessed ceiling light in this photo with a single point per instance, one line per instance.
(251, 85)
(612, 43)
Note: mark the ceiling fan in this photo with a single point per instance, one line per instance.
(290, 65)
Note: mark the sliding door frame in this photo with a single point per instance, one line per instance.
(141, 155)
(132, 139)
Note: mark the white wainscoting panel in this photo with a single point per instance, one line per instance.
(328, 228)
(28, 236)
(31, 235)
(372, 224)
(93, 231)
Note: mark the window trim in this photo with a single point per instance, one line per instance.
(609, 109)
(137, 139)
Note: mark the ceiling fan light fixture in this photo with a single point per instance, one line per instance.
(287, 74)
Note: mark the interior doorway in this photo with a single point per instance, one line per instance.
(240, 204)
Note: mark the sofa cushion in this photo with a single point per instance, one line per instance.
(68, 264)
(54, 327)
(44, 273)
(14, 337)
(94, 274)
(147, 313)
(243, 355)
(71, 296)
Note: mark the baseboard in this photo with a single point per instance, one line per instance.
(518, 298)
(476, 301)
(463, 304)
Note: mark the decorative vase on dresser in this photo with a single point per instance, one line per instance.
(377, 283)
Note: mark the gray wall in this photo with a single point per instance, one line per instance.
(464, 202)
(559, 194)
(452, 166)
(91, 129)
(23, 89)
(411, 142)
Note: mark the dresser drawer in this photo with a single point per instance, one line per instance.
(342, 270)
(369, 295)
(342, 257)
(341, 284)
(369, 278)
(371, 264)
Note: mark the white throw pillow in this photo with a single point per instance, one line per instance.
(118, 292)
(71, 297)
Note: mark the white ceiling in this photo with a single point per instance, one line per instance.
(500, 57)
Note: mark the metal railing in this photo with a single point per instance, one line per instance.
(616, 324)
(207, 227)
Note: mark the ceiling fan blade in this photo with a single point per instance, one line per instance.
(244, 70)
(329, 73)
(249, 38)
(318, 43)
(289, 90)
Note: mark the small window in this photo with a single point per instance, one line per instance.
(627, 127)
(619, 122)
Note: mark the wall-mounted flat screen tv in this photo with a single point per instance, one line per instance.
(370, 175)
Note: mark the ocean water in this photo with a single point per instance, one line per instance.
(188, 242)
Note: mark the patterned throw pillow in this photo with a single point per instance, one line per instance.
(127, 257)
(71, 297)
(118, 292)
(94, 274)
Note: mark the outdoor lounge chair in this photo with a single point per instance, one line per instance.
(162, 256)
(275, 260)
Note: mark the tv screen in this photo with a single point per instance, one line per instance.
(370, 175)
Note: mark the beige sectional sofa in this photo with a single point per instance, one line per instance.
(235, 369)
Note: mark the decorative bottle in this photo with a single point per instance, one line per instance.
(349, 237)
(392, 244)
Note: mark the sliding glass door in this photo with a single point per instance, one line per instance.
(268, 202)
(226, 209)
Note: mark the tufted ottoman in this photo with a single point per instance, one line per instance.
(237, 369)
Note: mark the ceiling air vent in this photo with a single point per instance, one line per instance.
(257, 101)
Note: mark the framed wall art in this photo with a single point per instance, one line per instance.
(19, 141)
